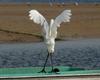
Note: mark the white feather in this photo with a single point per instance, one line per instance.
(39, 19)
(36, 17)
(65, 16)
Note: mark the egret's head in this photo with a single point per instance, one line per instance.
(51, 22)
(50, 45)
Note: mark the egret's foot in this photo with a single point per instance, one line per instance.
(56, 70)
(42, 71)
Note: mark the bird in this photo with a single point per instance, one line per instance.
(49, 31)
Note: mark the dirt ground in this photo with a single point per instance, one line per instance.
(15, 25)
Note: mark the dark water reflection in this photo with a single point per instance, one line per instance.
(76, 53)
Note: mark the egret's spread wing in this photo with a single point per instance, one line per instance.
(36, 17)
(65, 16)
(39, 19)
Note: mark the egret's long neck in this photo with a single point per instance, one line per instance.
(50, 27)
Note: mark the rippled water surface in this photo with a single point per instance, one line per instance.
(75, 53)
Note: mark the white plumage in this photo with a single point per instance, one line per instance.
(50, 31)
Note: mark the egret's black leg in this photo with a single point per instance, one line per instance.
(51, 61)
(43, 70)
(53, 70)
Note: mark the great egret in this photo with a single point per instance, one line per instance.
(49, 31)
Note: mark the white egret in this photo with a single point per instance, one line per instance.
(49, 31)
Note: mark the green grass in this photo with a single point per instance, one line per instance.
(33, 72)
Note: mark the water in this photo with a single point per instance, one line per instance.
(47, 1)
(77, 53)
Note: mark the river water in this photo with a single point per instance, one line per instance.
(47, 1)
(83, 53)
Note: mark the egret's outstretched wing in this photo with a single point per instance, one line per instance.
(39, 19)
(65, 16)
(36, 17)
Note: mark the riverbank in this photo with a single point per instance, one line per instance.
(15, 25)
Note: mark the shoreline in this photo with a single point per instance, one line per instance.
(14, 18)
